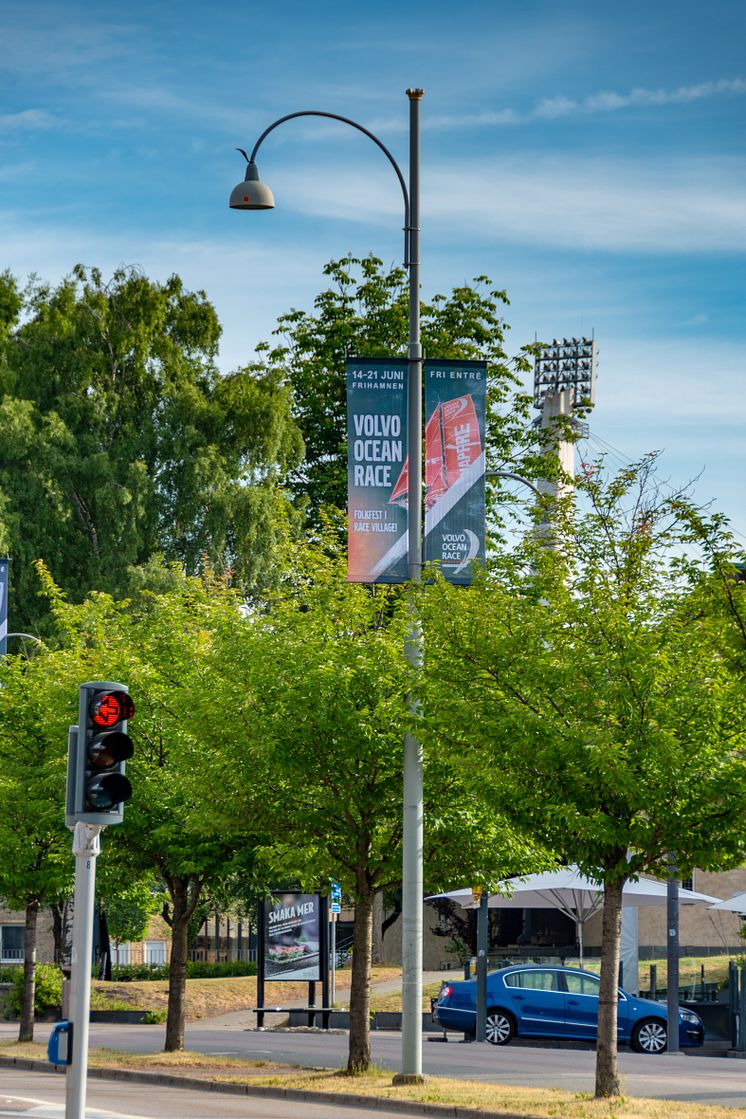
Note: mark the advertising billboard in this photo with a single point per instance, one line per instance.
(376, 470)
(455, 423)
(292, 938)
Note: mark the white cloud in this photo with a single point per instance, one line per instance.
(639, 205)
(26, 120)
(560, 106)
(246, 279)
(553, 107)
(673, 381)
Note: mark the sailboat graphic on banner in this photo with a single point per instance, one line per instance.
(453, 444)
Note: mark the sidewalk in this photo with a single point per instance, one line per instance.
(245, 1019)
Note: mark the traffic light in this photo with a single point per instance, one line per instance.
(98, 748)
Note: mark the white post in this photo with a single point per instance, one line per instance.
(333, 992)
(86, 848)
(412, 835)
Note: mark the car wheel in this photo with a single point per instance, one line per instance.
(649, 1036)
(499, 1027)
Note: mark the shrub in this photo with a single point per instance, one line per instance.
(139, 973)
(199, 969)
(48, 990)
(196, 969)
(154, 1017)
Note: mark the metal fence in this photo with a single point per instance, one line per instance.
(11, 956)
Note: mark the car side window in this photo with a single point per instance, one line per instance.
(581, 984)
(534, 980)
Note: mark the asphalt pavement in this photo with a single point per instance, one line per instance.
(36, 1095)
(690, 1077)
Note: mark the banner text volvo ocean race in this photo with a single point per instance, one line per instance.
(378, 468)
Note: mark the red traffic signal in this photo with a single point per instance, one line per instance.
(97, 787)
(109, 708)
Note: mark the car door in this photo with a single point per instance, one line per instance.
(538, 1002)
(581, 1004)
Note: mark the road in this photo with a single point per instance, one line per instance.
(694, 1078)
(35, 1095)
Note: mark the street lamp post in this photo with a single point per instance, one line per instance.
(252, 194)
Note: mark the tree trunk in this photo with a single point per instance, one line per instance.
(377, 928)
(358, 1059)
(182, 907)
(62, 923)
(607, 1079)
(26, 1031)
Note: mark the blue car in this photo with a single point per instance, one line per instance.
(557, 1002)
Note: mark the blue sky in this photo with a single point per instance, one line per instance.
(590, 158)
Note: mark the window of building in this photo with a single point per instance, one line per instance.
(11, 944)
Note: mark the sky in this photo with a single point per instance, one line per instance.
(589, 158)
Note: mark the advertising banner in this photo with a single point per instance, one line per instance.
(4, 563)
(376, 470)
(292, 938)
(455, 421)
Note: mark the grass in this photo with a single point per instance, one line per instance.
(210, 998)
(392, 1000)
(690, 970)
(376, 1084)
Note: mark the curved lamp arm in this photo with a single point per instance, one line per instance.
(514, 478)
(353, 124)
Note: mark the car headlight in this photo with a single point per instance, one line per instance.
(689, 1016)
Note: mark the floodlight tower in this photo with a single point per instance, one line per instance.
(564, 392)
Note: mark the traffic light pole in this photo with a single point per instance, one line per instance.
(86, 848)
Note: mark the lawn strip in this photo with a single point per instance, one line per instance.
(534, 1103)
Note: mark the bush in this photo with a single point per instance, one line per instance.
(48, 990)
(139, 973)
(154, 1017)
(196, 969)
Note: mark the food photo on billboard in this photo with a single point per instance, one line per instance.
(292, 935)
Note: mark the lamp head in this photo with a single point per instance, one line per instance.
(252, 194)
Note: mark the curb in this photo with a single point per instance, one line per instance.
(165, 1080)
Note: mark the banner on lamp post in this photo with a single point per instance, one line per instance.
(455, 424)
(376, 470)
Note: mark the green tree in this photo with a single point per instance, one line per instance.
(166, 648)
(36, 865)
(365, 313)
(319, 698)
(122, 441)
(585, 690)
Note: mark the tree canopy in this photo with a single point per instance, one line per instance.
(589, 698)
(122, 441)
(364, 313)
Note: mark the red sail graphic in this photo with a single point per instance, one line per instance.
(452, 444)
(400, 492)
(463, 445)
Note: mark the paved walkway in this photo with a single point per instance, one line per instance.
(245, 1018)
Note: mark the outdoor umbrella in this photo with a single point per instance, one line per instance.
(571, 893)
(736, 904)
